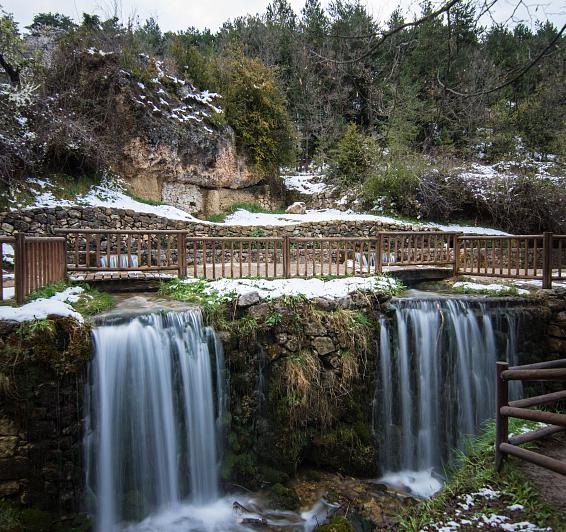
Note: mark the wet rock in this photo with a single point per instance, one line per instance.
(324, 303)
(323, 345)
(292, 344)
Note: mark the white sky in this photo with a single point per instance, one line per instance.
(173, 15)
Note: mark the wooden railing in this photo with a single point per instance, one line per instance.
(541, 257)
(38, 261)
(509, 445)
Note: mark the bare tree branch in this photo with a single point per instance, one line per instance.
(372, 48)
(546, 51)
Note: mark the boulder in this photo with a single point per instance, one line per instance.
(248, 299)
(298, 207)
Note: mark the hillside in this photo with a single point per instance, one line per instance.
(208, 122)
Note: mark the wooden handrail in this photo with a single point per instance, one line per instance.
(504, 444)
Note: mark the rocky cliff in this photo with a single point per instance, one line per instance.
(94, 113)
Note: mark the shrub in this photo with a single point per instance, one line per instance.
(255, 108)
(352, 158)
(395, 185)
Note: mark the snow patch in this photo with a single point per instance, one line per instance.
(494, 287)
(39, 309)
(306, 183)
(309, 288)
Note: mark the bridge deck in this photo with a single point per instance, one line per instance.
(113, 280)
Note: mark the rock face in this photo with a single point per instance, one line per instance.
(165, 137)
(40, 415)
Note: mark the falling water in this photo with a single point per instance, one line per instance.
(153, 419)
(436, 382)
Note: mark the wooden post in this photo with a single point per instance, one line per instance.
(286, 256)
(182, 255)
(64, 273)
(547, 260)
(379, 257)
(501, 422)
(456, 253)
(20, 267)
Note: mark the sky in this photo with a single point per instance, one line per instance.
(174, 15)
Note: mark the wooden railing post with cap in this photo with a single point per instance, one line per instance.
(20, 267)
(286, 256)
(182, 254)
(379, 257)
(456, 244)
(547, 260)
(501, 422)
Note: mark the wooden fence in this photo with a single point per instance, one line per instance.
(518, 256)
(509, 445)
(43, 260)
(541, 257)
(37, 262)
(270, 257)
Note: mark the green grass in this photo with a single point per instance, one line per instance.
(250, 207)
(473, 469)
(510, 291)
(154, 203)
(90, 302)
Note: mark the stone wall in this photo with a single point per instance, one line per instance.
(556, 333)
(302, 381)
(44, 220)
(42, 370)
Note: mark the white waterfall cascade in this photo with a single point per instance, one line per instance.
(436, 382)
(153, 416)
(155, 406)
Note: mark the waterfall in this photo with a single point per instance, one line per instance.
(436, 382)
(153, 417)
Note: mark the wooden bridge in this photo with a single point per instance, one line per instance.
(136, 255)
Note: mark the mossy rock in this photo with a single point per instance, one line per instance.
(284, 498)
(337, 524)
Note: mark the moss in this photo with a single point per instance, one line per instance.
(17, 519)
(284, 498)
(60, 342)
(90, 301)
(337, 524)
(239, 466)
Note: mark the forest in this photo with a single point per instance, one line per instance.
(389, 109)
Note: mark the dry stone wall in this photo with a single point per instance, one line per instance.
(556, 333)
(44, 220)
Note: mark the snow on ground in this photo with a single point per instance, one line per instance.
(534, 283)
(107, 194)
(310, 288)
(306, 183)
(58, 305)
(243, 217)
(480, 178)
(486, 519)
(493, 287)
(469, 229)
